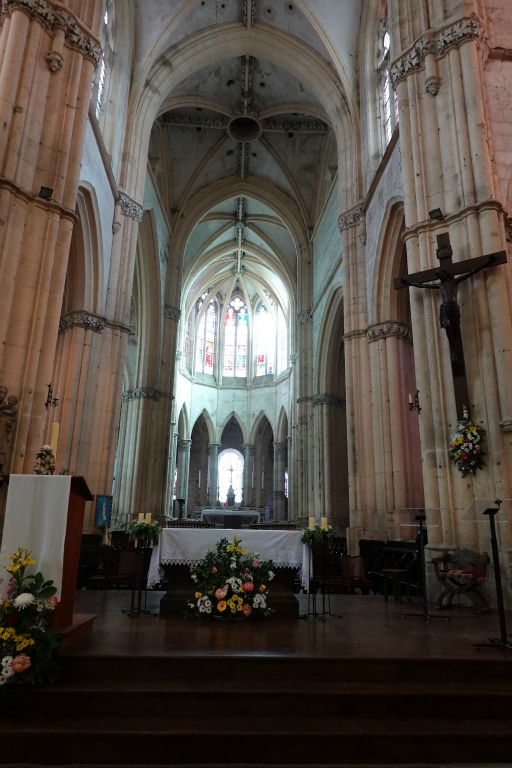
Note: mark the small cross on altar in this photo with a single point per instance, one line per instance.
(446, 279)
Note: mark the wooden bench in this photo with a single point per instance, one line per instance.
(461, 573)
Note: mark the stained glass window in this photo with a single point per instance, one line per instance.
(235, 339)
(206, 338)
(264, 341)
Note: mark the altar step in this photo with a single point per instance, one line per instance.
(263, 710)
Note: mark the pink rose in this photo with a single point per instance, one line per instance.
(221, 593)
(246, 609)
(20, 663)
(255, 563)
(214, 569)
(54, 601)
(248, 586)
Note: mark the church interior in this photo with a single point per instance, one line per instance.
(255, 283)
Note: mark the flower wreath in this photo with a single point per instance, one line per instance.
(231, 583)
(466, 445)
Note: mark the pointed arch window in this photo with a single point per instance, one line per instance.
(235, 338)
(105, 65)
(206, 338)
(387, 96)
(264, 341)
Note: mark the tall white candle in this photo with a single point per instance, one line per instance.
(199, 479)
(311, 523)
(54, 439)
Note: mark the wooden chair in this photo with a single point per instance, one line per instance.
(461, 573)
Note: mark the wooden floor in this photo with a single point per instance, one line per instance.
(358, 626)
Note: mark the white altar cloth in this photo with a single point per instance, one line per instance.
(36, 518)
(184, 546)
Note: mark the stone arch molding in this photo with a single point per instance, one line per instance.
(329, 340)
(281, 433)
(257, 423)
(205, 414)
(384, 302)
(239, 421)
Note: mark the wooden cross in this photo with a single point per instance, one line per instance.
(446, 279)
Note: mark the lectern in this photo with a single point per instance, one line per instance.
(45, 514)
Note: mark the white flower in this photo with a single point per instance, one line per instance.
(234, 583)
(259, 601)
(271, 575)
(23, 600)
(6, 670)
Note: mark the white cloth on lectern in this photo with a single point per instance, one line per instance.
(36, 518)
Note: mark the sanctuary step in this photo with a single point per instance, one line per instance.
(205, 709)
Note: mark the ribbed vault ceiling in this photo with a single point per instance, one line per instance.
(244, 119)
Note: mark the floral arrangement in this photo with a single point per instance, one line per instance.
(27, 648)
(466, 445)
(45, 461)
(318, 535)
(146, 533)
(231, 583)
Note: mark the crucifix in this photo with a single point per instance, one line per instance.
(446, 279)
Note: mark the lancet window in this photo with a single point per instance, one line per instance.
(387, 97)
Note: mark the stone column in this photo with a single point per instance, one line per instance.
(183, 462)
(47, 58)
(360, 459)
(304, 442)
(213, 473)
(331, 459)
(279, 469)
(249, 453)
(399, 483)
(439, 78)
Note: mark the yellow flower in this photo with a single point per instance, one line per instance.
(197, 595)
(221, 605)
(262, 587)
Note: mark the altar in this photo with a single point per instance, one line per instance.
(222, 516)
(179, 548)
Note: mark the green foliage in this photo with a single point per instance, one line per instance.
(146, 533)
(318, 536)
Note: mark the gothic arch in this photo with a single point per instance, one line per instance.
(388, 303)
(84, 273)
(183, 426)
(209, 424)
(330, 342)
(257, 425)
(282, 426)
(239, 421)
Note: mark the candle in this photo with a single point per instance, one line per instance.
(262, 481)
(311, 523)
(140, 518)
(324, 523)
(148, 517)
(54, 439)
(199, 479)
(410, 399)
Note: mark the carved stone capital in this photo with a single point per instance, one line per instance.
(130, 208)
(53, 18)
(461, 31)
(391, 328)
(116, 226)
(183, 444)
(306, 399)
(293, 358)
(213, 449)
(280, 449)
(304, 317)
(506, 425)
(82, 319)
(172, 313)
(249, 450)
(351, 217)
(326, 398)
(144, 393)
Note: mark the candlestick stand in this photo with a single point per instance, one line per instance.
(421, 539)
(138, 606)
(502, 640)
